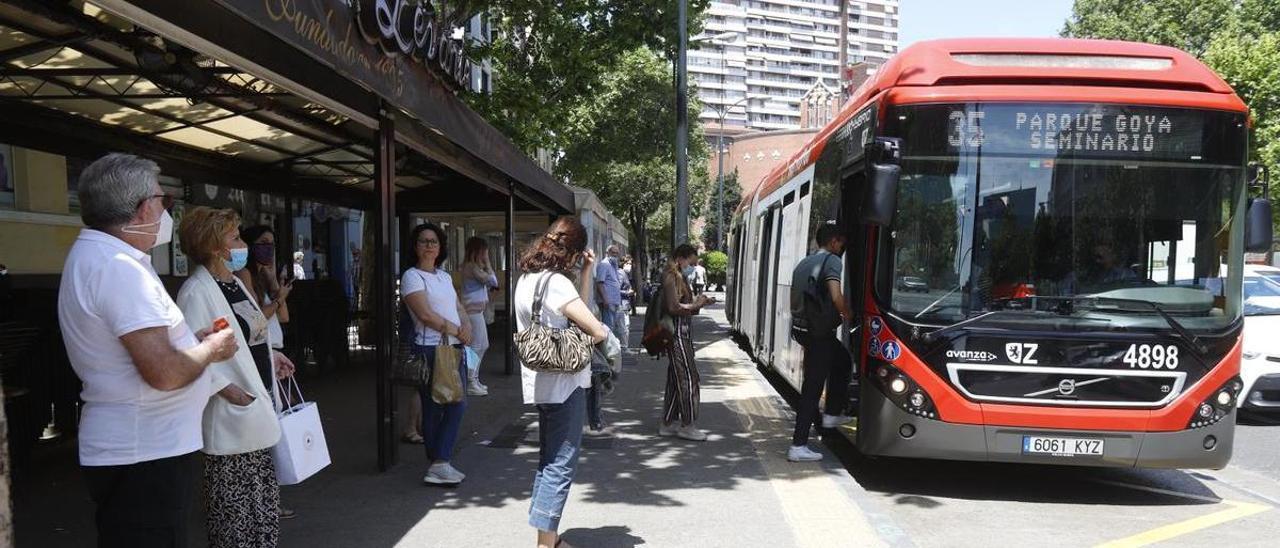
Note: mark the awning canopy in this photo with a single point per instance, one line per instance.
(214, 97)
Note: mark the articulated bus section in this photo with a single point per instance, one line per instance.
(1048, 271)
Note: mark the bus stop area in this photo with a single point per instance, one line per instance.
(633, 488)
(243, 106)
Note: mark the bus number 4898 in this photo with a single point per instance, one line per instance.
(1151, 356)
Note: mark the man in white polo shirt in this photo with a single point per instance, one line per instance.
(143, 370)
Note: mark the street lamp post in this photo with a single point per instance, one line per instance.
(721, 113)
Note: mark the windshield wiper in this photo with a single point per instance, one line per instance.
(1190, 338)
(935, 334)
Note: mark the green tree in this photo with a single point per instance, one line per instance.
(619, 143)
(717, 264)
(1239, 39)
(1185, 24)
(550, 57)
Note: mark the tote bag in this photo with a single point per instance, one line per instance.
(302, 450)
(446, 380)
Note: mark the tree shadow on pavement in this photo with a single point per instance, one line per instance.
(613, 536)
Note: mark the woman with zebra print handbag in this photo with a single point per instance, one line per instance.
(550, 266)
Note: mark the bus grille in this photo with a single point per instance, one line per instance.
(1066, 386)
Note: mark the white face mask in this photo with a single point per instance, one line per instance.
(163, 236)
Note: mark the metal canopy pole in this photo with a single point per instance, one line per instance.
(510, 235)
(383, 284)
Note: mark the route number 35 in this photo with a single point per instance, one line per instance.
(1151, 356)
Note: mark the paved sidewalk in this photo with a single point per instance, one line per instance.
(633, 489)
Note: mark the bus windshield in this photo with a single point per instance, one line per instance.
(1006, 202)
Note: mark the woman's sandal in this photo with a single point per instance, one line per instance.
(412, 437)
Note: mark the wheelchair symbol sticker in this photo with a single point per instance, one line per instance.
(890, 351)
(874, 347)
(877, 325)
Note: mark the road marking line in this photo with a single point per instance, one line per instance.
(1238, 510)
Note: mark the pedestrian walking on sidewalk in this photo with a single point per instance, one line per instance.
(438, 315)
(699, 277)
(242, 498)
(146, 378)
(478, 279)
(680, 403)
(608, 300)
(623, 327)
(559, 397)
(817, 309)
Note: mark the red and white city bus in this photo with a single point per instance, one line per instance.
(1046, 240)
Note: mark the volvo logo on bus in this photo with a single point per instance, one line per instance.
(1067, 387)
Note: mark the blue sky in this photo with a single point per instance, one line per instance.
(929, 19)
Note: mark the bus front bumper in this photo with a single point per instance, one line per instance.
(882, 433)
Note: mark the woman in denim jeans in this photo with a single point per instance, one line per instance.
(438, 319)
(550, 263)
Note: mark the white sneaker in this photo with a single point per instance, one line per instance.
(802, 453)
(691, 433)
(832, 421)
(477, 390)
(602, 432)
(443, 473)
(668, 430)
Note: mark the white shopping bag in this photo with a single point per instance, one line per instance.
(302, 450)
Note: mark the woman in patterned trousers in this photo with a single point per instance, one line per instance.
(680, 403)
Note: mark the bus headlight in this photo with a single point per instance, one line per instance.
(916, 399)
(1224, 398)
(898, 385)
(1205, 411)
(903, 391)
(1217, 406)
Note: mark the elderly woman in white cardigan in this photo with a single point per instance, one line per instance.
(242, 498)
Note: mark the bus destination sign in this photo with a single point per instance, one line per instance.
(1081, 131)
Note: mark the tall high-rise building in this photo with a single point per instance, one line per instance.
(759, 60)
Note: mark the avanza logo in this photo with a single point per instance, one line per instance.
(971, 355)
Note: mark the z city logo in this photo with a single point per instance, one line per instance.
(1022, 353)
(890, 351)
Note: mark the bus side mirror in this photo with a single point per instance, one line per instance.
(882, 195)
(1257, 228)
(1257, 224)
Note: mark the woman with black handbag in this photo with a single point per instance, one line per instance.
(554, 373)
(439, 333)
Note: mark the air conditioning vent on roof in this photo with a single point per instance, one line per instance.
(1100, 62)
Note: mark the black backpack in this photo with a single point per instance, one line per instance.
(816, 313)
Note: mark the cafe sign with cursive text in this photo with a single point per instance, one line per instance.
(412, 28)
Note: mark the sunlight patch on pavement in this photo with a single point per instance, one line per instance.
(816, 509)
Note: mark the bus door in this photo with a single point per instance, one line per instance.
(855, 274)
(762, 278)
(770, 279)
